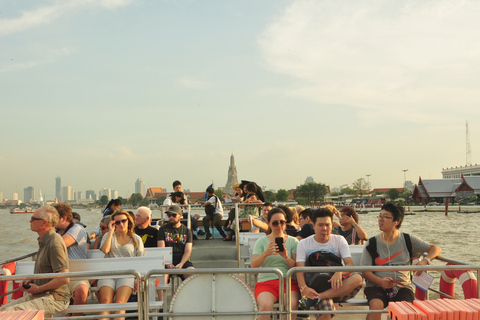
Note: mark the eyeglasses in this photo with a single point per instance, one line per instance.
(104, 228)
(384, 217)
(279, 222)
(36, 219)
(117, 222)
(171, 215)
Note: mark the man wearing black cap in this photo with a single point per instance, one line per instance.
(176, 235)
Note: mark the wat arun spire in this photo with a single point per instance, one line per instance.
(232, 176)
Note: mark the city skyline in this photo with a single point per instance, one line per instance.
(101, 93)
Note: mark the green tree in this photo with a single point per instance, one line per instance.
(269, 196)
(282, 195)
(219, 194)
(393, 194)
(311, 191)
(144, 202)
(103, 200)
(160, 200)
(360, 187)
(135, 198)
(347, 191)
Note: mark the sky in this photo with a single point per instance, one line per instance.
(102, 92)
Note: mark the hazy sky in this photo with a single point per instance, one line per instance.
(102, 92)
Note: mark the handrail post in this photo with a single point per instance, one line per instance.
(237, 234)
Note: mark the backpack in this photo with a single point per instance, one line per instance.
(210, 208)
(372, 248)
(319, 280)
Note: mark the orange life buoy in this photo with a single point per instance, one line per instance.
(467, 280)
(7, 270)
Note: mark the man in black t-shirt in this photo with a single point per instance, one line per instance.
(179, 237)
(143, 228)
(305, 223)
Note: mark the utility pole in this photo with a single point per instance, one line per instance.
(368, 182)
(405, 184)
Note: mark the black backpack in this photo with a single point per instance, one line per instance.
(372, 248)
(319, 280)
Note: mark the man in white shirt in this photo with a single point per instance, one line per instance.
(213, 211)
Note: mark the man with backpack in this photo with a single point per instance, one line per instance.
(392, 248)
(321, 289)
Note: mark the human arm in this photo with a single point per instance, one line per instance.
(68, 239)
(107, 238)
(433, 251)
(359, 230)
(305, 290)
(261, 254)
(50, 285)
(186, 255)
(258, 223)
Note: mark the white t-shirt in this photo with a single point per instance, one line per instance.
(128, 250)
(77, 250)
(336, 244)
(219, 208)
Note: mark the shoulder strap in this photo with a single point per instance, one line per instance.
(408, 242)
(372, 249)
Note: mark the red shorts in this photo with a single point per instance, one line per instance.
(273, 287)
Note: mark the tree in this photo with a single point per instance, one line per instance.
(103, 200)
(282, 195)
(144, 202)
(269, 196)
(347, 191)
(160, 200)
(393, 194)
(360, 187)
(135, 199)
(219, 194)
(311, 191)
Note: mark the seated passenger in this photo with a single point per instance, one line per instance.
(213, 211)
(392, 248)
(341, 286)
(305, 223)
(268, 253)
(120, 241)
(349, 227)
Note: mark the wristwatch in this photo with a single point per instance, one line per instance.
(429, 262)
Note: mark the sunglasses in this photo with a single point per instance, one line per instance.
(171, 215)
(104, 228)
(279, 222)
(117, 222)
(36, 219)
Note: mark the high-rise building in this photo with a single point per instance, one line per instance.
(1, 196)
(90, 194)
(15, 196)
(140, 187)
(58, 188)
(29, 194)
(67, 193)
(79, 195)
(232, 176)
(110, 193)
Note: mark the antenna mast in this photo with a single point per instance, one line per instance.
(469, 152)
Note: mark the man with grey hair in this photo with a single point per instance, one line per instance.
(143, 220)
(50, 295)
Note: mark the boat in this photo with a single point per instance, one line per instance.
(22, 210)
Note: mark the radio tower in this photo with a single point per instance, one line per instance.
(469, 152)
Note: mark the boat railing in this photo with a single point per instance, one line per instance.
(284, 310)
(25, 256)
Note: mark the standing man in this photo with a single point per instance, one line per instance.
(143, 221)
(392, 248)
(50, 295)
(75, 238)
(213, 211)
(305, 223)
(176, 235)
(340, 286)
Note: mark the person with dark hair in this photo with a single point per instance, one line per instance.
(50, 295)
(291, 228)
(178, 197)
(392, 248)
(213, 212)
(250, 190)
(349, 227)
(75, 238)
(305, 223)
(120, 241)
(341, 286)
(276, 250)
(239, 196)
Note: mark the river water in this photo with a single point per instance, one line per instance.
(455, 233)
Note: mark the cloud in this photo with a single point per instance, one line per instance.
(405, 59)
(191, 82)
(47, 14)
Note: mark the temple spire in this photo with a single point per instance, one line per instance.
(232, 176)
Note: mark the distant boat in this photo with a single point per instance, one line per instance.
(19, 211)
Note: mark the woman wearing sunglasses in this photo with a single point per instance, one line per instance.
(276, 250)
(120, 241)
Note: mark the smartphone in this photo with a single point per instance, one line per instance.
(26, 286)
(279, 242)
